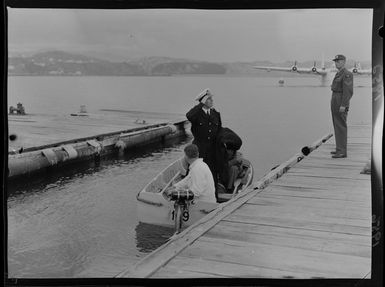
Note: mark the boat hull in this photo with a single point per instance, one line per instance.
(154, 207)
(163, 215)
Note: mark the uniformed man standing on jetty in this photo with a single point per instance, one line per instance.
(205, 125)
(342, 88)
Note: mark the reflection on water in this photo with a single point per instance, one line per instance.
(83, 223)
(149, 237)
(56, 178)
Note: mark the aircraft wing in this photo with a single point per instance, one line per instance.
(284, 69)
(293, 69)
(361, 72)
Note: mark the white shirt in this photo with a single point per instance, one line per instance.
(206, 110)
(200, 181)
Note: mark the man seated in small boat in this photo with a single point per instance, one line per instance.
(233, 168)
(229, 159)
(199, 178)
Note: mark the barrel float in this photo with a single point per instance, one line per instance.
(37, 159)
(26, 163)
(128, 140)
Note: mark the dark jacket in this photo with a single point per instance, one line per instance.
(343, 84)
(204, 128)
(226, 139)
(229, 139)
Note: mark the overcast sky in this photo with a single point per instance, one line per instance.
(211, 35)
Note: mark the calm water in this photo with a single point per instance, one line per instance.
(82, 223)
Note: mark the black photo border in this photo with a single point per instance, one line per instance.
(378, 7)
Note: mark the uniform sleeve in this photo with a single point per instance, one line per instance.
(347, 89)
(193, 113)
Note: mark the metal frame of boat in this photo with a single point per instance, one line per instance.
(154, 207)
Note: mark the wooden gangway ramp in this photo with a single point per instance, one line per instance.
(312, 222)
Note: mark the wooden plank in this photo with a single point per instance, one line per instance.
(328, 173)
(338, 165)
(334, 166)
(324, 183)
(365, 144)
(353, 158)
(338, 194)
(315, 202)
(278, 258)
(359, 140)
(300, 223)
(188, 267)
(363, 193)
(183, 270)
(307, 213)
(358, 151)
(242, 234)
(253, 230)
(362, 215)
(270, 205)
(356, 146)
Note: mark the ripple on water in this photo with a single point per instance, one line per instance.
(84, 223)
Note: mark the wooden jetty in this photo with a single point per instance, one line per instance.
(312, 222)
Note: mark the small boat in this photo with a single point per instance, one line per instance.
(155, 207)
(19, 110)
(82, 113)
(79, 115)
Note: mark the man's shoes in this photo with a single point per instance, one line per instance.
(339, 155)
(333, 152)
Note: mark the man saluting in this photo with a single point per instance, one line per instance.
(342, 88)
(205, 125)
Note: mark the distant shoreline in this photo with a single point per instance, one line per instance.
(60, 63)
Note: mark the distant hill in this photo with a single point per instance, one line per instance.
(62, 63)
(59, 63)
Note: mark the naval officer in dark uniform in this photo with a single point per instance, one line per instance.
(342, 88)
(205, 125)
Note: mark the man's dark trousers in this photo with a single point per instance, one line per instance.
(339, 123)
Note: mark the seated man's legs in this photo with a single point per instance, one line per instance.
(233, 173)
